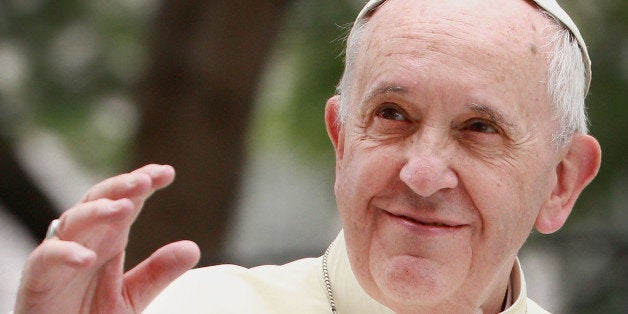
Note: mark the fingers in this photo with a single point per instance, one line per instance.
(58, 272)
(161, 175)
(95, 222)
(137, 184)
(101, 221)
(144, 282)
(82, 264)
(47, 272)
(60, 254)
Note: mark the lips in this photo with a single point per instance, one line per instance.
(427, 221)
(433, 224)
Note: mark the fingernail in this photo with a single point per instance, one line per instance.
(156, 171)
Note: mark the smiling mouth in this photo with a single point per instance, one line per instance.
(431, 224)
(424, 223)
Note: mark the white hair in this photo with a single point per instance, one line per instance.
(344, 87)
(566, 84)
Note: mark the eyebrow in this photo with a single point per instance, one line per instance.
(494, 114)
(383, 90)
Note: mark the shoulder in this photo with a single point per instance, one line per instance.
(233, 289)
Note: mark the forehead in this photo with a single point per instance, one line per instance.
(493, 18)
(507, 35)
(490, 43)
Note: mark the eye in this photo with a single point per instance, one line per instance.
(481, 126)
(391, 113)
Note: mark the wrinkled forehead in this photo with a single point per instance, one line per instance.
(549, 6)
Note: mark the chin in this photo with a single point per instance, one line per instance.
(409, 281)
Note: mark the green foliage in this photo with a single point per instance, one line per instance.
(312, 43)
(69, 57)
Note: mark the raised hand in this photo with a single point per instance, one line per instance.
(80, 269)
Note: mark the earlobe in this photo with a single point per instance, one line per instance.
(577, 169)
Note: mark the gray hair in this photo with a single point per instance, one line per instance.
(344, 87)
(566, 85)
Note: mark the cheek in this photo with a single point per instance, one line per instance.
(508, 197)
(363, 174)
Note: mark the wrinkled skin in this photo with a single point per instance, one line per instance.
(81, 269)
(443, 167)
(445, 162)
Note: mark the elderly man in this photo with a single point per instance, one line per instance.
(458, 127)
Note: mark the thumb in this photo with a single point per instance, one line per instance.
(145, 281)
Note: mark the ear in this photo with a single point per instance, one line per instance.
(574, 172)
(334, 126)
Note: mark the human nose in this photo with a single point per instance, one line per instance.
(428, 169)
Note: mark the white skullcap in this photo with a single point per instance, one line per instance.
(550, 6)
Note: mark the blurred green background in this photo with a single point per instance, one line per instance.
(232, 94)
